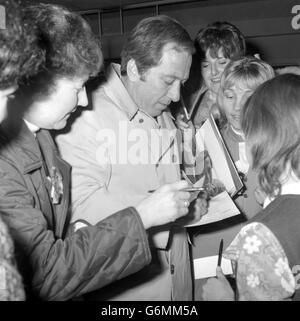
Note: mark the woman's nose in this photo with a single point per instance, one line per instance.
(214, 70)
(240, 102)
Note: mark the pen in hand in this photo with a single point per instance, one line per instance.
(187, 189)
(220, 253)
(186, 114)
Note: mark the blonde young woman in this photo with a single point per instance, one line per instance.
(265, 252)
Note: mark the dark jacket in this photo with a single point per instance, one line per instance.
(282, 217)
(56, 266)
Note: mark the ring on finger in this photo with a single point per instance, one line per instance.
(186, 203)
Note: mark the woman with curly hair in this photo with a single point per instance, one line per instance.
(19, 57)
(216, 45)
(59, 261)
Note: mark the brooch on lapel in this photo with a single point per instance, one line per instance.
(56, 185)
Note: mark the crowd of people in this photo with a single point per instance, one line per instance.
(97, 210)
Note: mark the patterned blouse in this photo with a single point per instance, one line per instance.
(11, 286)
(263, 271)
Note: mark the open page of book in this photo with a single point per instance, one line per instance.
(209, 137)
(220, 207)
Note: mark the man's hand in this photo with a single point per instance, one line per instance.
(165, 205)
(218, 289)
(198, 208)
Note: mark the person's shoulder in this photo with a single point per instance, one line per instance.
(101, 101)
(10, 152)
(286, 203)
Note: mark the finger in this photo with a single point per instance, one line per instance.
(183, 211)
(186, 204)
(179, 185)
(182, 124)
(184, 196)
(190, 123)
(182, 204)
(219, 273)
(181, 118)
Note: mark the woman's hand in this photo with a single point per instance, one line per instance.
(218, 289)
(184, 125)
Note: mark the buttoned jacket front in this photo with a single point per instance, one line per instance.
(56, 265)
(118, 154)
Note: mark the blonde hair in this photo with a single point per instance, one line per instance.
(248, 71)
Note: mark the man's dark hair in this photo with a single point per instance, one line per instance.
(147, 39)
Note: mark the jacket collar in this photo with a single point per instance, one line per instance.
(233, 134)
(118, 93)
(22, 140)
(116, 90)
(291, 187)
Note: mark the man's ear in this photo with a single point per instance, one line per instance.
(132, 70)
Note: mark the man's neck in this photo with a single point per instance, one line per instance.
(131, 89)
(32, 127)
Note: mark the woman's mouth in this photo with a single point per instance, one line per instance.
(215, 80)
(235, 117)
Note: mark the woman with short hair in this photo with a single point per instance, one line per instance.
(59, 261)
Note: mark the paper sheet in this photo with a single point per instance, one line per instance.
(219, 208)
(205, 267)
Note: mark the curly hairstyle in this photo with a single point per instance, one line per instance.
(70, 47)
(220, 35)
(19, 54)
(271, 122)
(147, 39)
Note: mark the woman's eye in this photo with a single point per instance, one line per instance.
(222, 62)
